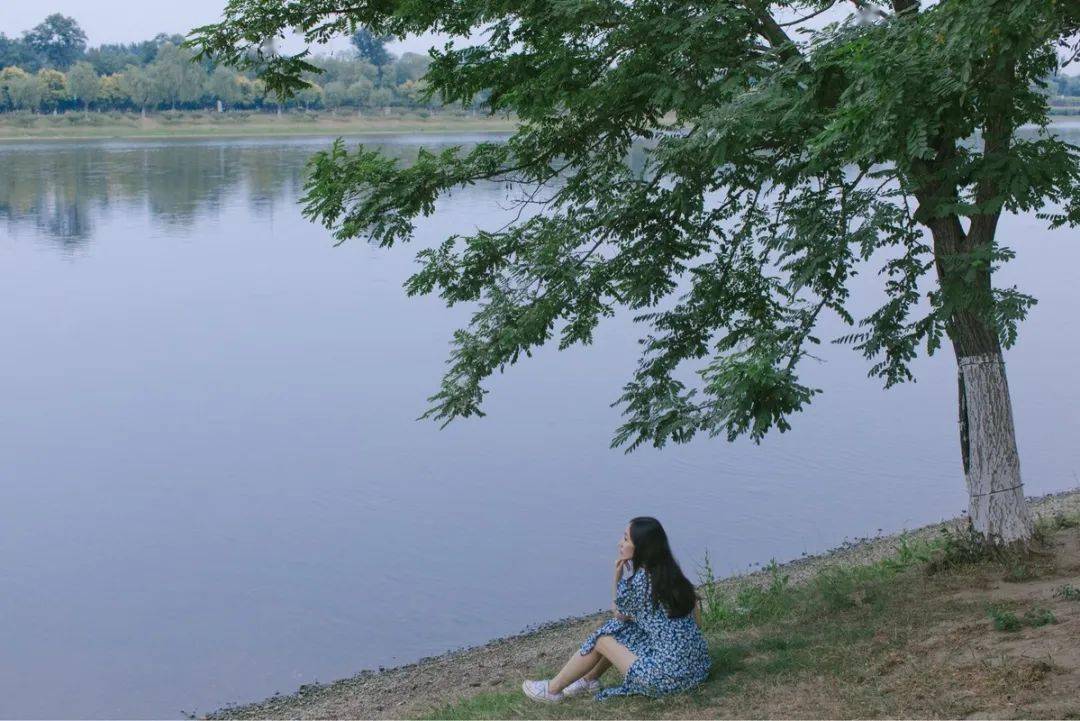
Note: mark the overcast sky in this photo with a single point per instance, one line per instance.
(125, 21)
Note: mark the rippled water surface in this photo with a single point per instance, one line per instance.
(213, 486)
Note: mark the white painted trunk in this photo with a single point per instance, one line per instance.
(988, 443)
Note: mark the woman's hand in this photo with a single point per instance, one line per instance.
(620, 566)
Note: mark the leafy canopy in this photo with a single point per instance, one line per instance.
(782, 154)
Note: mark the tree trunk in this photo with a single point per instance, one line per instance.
(988, 445)
(996, 505)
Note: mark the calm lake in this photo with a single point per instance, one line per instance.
(213, 486)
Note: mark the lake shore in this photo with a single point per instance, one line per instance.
(481, 681)
(116, 126)
(75, 126)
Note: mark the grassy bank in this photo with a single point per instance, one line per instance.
(88, 126)
(924, 624)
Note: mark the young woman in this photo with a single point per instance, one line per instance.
(655, 638)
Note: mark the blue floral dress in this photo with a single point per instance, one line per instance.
(672, 655)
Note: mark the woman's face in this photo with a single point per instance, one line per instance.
(626, 546)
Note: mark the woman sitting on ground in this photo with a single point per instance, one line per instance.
(655, 638)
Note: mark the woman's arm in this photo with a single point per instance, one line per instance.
(697, 613)
(620, 565)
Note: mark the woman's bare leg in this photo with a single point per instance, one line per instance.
(576, 667)
(605, 653)
(615, 652)
(598, 670)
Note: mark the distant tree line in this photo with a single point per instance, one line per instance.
(1066, 85)
(50, 69)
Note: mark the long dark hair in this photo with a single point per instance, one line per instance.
(670, 588)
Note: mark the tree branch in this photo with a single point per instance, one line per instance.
(772, 31)
(901, 7)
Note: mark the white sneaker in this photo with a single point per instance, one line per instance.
(538, 691)
(581, 686)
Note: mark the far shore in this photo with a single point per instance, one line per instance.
(117, 126)
(187, 125)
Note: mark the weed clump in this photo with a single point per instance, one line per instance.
(1036, 617)
(1018, 571)
(1007, 621)
(1058, 522)
(962, 548)
(748, 604)
(1004, 620)
(956, 548)
(1068, 592)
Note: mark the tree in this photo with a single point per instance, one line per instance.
(373, 49)
(223, 86)
(84, 84)
(175, 78)
(25, 92)
(58, 39)
(252, 92)
(138, 86)
(112, 94)
(14, 52)
(786, 158)
(54, 92)
(411, 66)
(311, 97)
(1066, 85)
(360, 93)
(10, 76)
(336, 93)
(381, 98)
(113, 58)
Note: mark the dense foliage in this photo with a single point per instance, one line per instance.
(50, 69)
(828, 149)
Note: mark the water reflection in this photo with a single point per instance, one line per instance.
(60, 191)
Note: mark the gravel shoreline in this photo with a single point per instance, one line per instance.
(417, 688)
